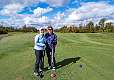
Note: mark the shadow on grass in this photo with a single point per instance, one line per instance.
(3, 55)
(65, 62)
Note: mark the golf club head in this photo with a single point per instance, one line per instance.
(53, 75)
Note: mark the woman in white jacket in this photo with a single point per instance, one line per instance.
(39, 48)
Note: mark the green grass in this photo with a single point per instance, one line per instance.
(93, 53)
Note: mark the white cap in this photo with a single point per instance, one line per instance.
(40, 28)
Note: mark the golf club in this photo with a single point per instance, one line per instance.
(53, 72)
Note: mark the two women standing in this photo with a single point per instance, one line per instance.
(44, 42)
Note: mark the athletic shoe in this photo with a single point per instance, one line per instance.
(35, 73)
(40, 70)
(53, 69)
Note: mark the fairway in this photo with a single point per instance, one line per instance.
(80, 56)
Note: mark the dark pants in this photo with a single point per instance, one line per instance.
(49, 51)
(39, 60)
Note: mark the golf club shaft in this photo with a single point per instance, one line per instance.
(52, 57)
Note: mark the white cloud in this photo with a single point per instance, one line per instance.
(12, 6)
(107, 21)
(39, 11)
(43, 19)
(91, 10)
(36, 20)
(29, 2)
(23, 2)
(10, 9)
(56, 3)
(27, 20)
(13, 21)
(59, 16)
(58, 20)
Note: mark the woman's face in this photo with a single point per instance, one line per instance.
(42, 30)
(50, 30)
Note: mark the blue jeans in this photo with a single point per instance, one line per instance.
(48, 51)
(39, 61)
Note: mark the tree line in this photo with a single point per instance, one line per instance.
(5, 30)
(91, 27)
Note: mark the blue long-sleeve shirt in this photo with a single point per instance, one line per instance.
(39, 42)
(50, 40)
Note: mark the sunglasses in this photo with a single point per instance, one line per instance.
(49, 29)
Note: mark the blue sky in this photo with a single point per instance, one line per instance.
(54, 12)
